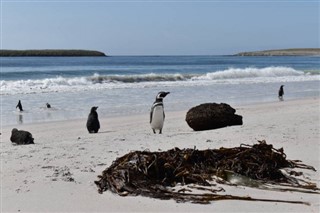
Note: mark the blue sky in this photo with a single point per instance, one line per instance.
(160, 27)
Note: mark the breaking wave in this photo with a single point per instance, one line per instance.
(96, 81)
(152, 77)
(237, 73)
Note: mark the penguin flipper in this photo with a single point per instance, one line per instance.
(151, 113)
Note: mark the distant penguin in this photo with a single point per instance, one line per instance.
(281, 93)
(93, 124)
(19, 105)
(21, 137)
(157, 113)
(48, 105)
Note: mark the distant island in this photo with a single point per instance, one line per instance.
(49, 52)
(284, 52)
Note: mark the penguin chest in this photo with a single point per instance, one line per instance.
(157, 118)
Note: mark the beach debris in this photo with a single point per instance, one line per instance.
(175, 173)
(21, 137)
(212, 116)
(62, 173)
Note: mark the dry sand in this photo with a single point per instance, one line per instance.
(57, 173)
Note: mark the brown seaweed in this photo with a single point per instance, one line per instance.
(154, 174)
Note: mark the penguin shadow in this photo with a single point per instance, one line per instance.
(104, 132)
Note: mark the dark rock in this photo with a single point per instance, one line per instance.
(21, 137)
(212, 116)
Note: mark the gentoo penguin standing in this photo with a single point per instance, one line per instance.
(157, 113)
(93, 124)
(281, 93)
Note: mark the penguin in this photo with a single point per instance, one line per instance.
(19, 105)
(21, 137)
(93, 124)
(281, 93)
(157, 115)
(48, 105)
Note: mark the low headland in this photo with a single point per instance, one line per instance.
(283, 52)
(49, 52)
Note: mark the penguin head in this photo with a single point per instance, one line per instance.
(161, 95)
(93, 109)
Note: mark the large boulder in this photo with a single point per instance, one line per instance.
(21, 137)
(212, 116)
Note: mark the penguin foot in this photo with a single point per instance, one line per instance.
(160, 132)
(154, 131)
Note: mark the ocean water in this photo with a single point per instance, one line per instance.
(126, 85)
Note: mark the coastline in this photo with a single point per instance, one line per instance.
(283, 52)
(50, 53)
(37, 177)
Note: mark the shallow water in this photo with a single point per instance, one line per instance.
(119, 102)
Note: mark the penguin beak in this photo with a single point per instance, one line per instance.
(162, 95)
(165, 94)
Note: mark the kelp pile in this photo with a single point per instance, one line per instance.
(155, 174)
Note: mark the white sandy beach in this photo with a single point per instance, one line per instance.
(57, 173)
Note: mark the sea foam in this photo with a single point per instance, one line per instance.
(96, 81)
(250, 72)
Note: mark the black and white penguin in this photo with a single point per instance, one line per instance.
(157, 113)
(19, 105)
(21, 137)
(281, 93)
(93, 124)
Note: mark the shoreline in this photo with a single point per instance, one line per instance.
(122, 117)
(57, 173)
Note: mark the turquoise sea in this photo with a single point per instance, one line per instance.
(126, 85)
